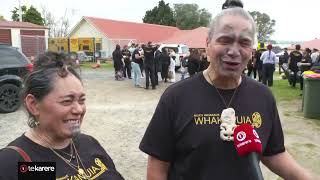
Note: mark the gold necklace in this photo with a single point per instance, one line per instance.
(221, 97)
(77, 167)
(71, 155)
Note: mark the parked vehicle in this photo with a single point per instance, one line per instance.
(181, 51)
(13, 67)
(81, 56)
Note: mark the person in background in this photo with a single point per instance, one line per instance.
(251, 68)
(117, 63)
(268, 59)
(305, 64)
(157, 63)
(149, 64)
(136, 59)
(294, 58)
(204, 64)
(165, 62)
(193, 62)
(55, 100)
(172, 66)
(183, 138)
(258, 62)
(184, 67)
(283, 59)
(127, 62)
(132, 48)
(141, 61)
(314, 55)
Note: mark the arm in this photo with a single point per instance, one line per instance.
(137, 56)
(157, 169)
(285, 166)
(289, 59)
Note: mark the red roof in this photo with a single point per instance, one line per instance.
(140, 32)
(311, 44)
(122, 32)
(308, 44)
(15, 24)
(195, 38)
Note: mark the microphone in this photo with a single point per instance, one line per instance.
(248, 144)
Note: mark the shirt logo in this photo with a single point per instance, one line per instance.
(214, 119)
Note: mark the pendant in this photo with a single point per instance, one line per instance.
(228, 124)
(81, 171)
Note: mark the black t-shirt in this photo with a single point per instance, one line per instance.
(117, 59)
(126, 55)
(295, 57)
(285, 57)
(164, 59)
(306, 59)
(96, 161)
(136, 51)
(258, 55)
(185, 127)
(149, 55)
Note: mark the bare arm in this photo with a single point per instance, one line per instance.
(285, 166)
(137, 56)
(157, 169)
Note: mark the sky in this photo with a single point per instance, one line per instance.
(295, 20)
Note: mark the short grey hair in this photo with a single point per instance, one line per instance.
(235, 11)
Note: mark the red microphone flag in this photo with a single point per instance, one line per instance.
(246, 140)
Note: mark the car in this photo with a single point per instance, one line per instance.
(81, 56)
(181, 51)
(14, 65)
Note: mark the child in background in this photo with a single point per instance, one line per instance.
(171, 73)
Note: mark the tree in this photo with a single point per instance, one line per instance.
(188, 16)
(264, 25)
(161, 14)
(58, 27)
(48, 20)
(2, 18)
(28, 15)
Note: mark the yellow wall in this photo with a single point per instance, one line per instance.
(58, 44)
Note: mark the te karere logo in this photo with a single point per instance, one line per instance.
(36, 170)
(24, 168)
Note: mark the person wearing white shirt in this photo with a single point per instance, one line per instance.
(172, 74)
(268, 59)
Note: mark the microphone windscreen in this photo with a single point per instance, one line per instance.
(246, 140)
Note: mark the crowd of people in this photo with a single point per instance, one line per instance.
(262, 64)
(149, 60)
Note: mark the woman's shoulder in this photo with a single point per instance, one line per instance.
(9, 159)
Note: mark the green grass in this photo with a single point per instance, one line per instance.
(104, 65)
(283, 92)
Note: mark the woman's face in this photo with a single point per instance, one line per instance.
(61, 112)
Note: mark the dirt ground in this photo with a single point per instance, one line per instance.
(118, 114)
